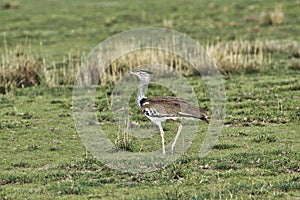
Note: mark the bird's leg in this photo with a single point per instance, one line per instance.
(162, 135)
(177, 135)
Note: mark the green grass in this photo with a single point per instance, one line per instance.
(257, 155)
(42, 154)
(58, 27)
(52, 38)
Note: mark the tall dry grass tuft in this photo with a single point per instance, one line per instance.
(19, 69)
(274, 17)
(8, 4)
(294, 64)
(238, 56)
(168, 23)
(124, 141)
(249, 56)
(64, 72)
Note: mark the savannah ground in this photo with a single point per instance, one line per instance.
(257, 156)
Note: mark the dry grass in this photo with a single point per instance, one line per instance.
(64, 72)
(8, 4)
(274, 17)
(141, 57)
(124, 140)
(247, 56)
(21, 68)
(231, 57)
(294, 64)
(238, 56)
(168, 23)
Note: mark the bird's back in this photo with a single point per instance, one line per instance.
(171, 107)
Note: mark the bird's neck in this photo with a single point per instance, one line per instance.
(141, 93)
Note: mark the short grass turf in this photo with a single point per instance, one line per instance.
(257, 156)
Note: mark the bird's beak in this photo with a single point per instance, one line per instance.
(132, 72)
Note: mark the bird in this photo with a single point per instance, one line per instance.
(161, 108)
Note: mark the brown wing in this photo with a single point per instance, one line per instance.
(172, 107)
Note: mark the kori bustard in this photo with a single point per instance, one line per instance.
(159, 109)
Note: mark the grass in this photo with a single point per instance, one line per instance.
(58, 49)
(273, 17)
(257, 156)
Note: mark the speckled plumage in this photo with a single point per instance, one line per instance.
(171, 108)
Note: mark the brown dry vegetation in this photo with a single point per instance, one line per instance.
(21, 68)
(8, 4)
(274, 17)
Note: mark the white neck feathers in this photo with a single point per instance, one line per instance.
(141, 93)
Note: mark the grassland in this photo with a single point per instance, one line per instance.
(257, 157)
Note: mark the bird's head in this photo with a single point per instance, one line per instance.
(143, 75)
